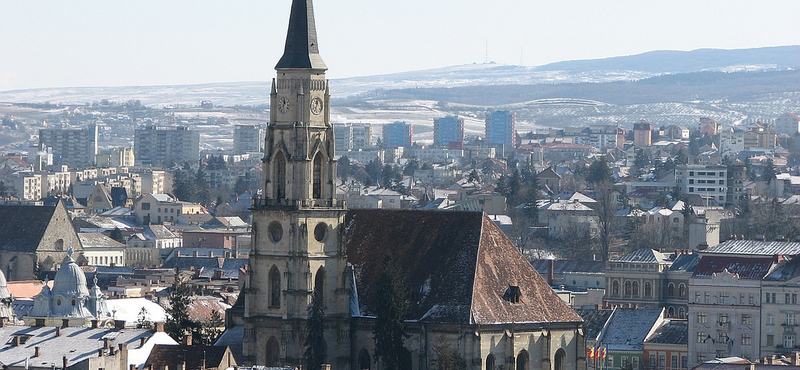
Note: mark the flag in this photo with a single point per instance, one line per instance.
(604, 353)
(591, 352)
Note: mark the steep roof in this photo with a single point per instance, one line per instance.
(671, 332)
(171, 356)
(594, 321)
(748, 268)
(458, 264)
(301, 49)
(645, 255)
(22, 227)
(628, 327)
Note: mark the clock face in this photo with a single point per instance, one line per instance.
(283, 105)
(316, 106)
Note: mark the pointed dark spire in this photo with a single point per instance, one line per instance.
(301, 50)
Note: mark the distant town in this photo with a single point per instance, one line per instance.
(178, 238)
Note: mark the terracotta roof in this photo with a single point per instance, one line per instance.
(27, 288)
(458, 264)
(171, 356)
(22, 227)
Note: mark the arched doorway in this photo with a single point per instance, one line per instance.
(364, 360)
(559, 362)
(273, 352)
(490, 362)
(522, 360)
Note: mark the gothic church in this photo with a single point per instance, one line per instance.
(468, 286)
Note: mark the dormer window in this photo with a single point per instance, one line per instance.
(512, 294)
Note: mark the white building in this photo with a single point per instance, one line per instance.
(707, 181)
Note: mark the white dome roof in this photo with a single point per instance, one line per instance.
(70, 279)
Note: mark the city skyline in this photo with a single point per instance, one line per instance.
(144, 43)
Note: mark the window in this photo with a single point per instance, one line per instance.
(747, 340)
(770, 320)
(635, 362)
(610, 361)
(697, 297)
(671, 290)
(682, 290)
(751, 299)
(702, 317)
(723, 318)
(684, 362)
(701, 358)
(636, 288)
(662, 360)
(615, 287)
(624, 362)
(648, 289)
(747, 319)
(790, 319)
(627, 288)
(275, 287)
(145, 206)
(652, 362)
(788, 341)
(702, 336)
(722, 336)
(723, 298)
(770, 340)
(674, 362)
(707, 298)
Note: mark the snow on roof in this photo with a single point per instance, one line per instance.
(128, 309)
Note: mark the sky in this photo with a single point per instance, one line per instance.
(80, 43)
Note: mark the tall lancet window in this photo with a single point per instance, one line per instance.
(317, 186)
(280, 176)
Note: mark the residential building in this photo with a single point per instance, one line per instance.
(642, 134)
(624, 335)
(166, 145)
(637, 279)
(343, 137)
(116, 157)
(100, 250)
(703, 180)
(248, 139)
(675, 132)
(780, 309)
(567, 218)
(501, 129)
(144, 248)
(666, 347)
(788, 123)
(211, 238)
(160, 208)
(448, 132)
(398, 134)
(76, 147)
(27, 185)
(708, 126)
(153, 181)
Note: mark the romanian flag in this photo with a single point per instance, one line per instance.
(591, 352)
(603, 356)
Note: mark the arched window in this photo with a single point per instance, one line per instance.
(319, 285)
(522, 360)
(682, 290)
(273, 352)
(59, 246)
(681, 313)
(317, 183)
(648, 289)
(280, 176)
(274, 287)
(627, 288)
(490, 362)
(560, 359)
(364, 360)
(671, 312)
(670, 290)
(615, 287)
(636, 288)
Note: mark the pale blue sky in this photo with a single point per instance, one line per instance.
(156, 42)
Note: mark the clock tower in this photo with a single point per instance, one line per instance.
(297, 239)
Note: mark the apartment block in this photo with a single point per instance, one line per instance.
(707, 181)
(77, 147)
(501, 128)
(166, 145)
(248, 139)
(398, 134)
(448, 132)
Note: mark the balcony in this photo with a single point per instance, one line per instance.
(296, 204)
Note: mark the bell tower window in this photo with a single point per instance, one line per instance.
(317, 187)
(280, 176)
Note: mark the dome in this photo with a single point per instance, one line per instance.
(70, 279)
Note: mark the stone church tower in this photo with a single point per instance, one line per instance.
(297, 243)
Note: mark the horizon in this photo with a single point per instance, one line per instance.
(151, 43)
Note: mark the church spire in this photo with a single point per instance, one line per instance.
(301, 50)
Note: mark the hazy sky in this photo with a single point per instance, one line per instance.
(157, 42)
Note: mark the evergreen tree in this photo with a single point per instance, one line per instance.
(344, 168)
(178, 323)
(240, 186)
(446, 358)
(314, 356)
(599, 172)
(391, 307)
(373, 169)
(411, 166)
(769, 173)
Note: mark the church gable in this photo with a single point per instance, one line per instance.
(436, 251)
(508, 289)
(22, 227)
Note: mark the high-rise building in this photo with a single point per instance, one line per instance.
(248, 139)
(362, 136)
(71, 146)
(352, 136)
(788, 123)
(398, 134)
(501, 128)
(116, 157)
(166, 145)
(448, 132)
(642, 134)
(343, 136)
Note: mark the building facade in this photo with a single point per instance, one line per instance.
(398, 134)
(71, 146)
(501, 128)
(166, 145)
(448, 132)
(248, 139)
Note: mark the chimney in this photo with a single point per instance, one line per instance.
(217, 274)
(132, 367)
(101, 352)
(17, 341)
(58, 331)
(326, 367)
(159, 327)
(94, 323)
(187, 340)
(196, 254)
(65, 323)
(3, 321)
(37, 351)
(119, 324)
(795, 359)
(64, 362)
(39, 322)
(702, 247)
(550, 271)
(106, 343)
(142, 341)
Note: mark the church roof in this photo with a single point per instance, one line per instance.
(22, 227)
(301, 50)
(459, 266)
